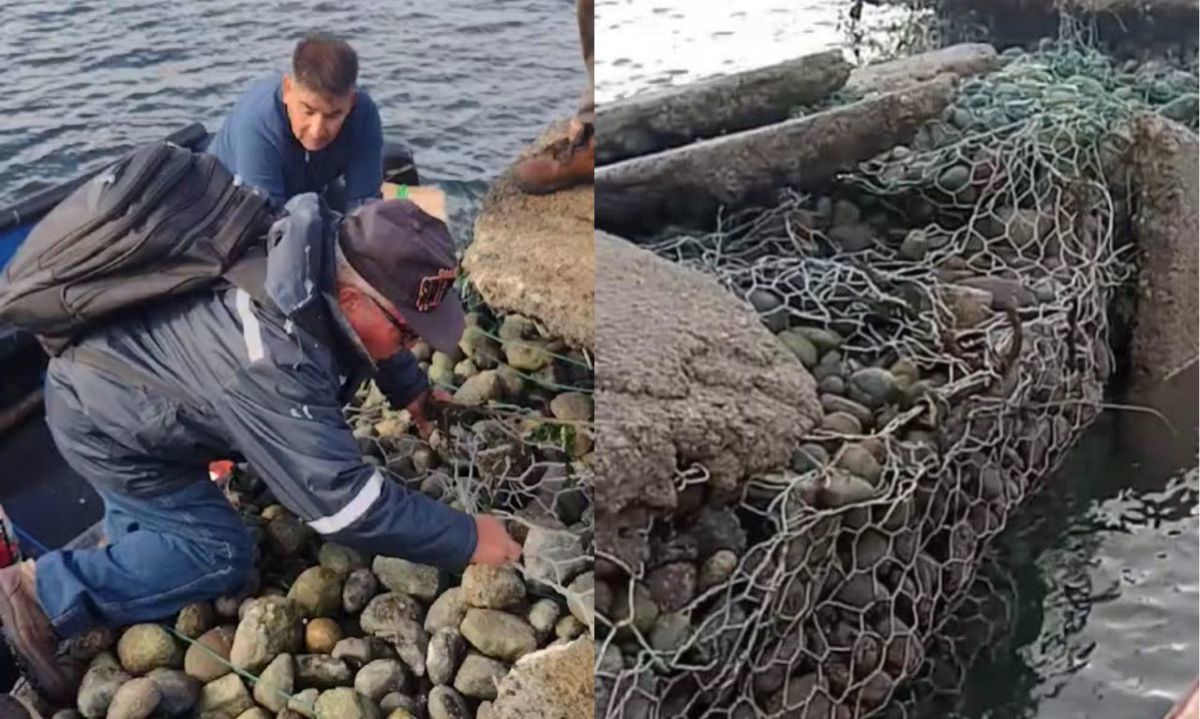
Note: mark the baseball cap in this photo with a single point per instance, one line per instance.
(408, 257)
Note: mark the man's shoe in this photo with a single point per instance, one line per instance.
(11, 708)
(560, 166)
(31, 638)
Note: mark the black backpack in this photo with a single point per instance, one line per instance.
(162, 221)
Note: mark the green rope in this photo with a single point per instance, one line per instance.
(253, 679)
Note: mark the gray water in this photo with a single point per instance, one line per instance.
(467, 83)
(1099, 570)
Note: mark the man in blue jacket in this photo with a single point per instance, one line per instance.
(300, 132)
(140, 405)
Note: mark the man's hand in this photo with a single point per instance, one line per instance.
(493, 545)
(418, 409)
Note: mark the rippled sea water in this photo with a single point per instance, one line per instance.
(1101, 567)
(467, 83)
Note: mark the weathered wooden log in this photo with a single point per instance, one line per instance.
(687, 185)
(964, 60)
(656, 121)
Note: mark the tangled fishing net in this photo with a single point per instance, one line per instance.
(950, 300)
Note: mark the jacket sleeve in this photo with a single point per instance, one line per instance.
(287, 422)
(400, 379)
(258, 162)
(364, 172)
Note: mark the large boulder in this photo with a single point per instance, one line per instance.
(654, 121)
(688, 185)
(557, 682)
(533, 254)
(1163, 174)
(963, 60)
(704, 383)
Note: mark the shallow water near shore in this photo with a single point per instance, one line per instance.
(1099, 570)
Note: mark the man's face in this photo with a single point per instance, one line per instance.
(316, 118)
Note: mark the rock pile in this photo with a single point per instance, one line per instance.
(327, 632)
(957, 342)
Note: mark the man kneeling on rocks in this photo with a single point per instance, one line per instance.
(213, 373)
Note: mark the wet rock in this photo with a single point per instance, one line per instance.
(322, 635)
(478, 676)
(178, 692)
(411, 642)
(399, 702)
(400, 575)
(572, 407)
(379, 678)
(569, 627)
(527, 355)
(226, 696)
(478, 390)
(441, 370)
(800, 346)
(969, 306)
(833, 384)
(446, 650)
(542, 616)
(318, 592)
(344, 703)
(872, 387)
(859, 461)
(841, 423)
(355, 651)
(808, 457)
(492, 587)
(832, 403)
(480, 348)
(553, 556)
(854, 237)
(136, 699)
(272, 626)
(195, 619)
(304, 702)
(322, 671)
(447, 610)
(226, 608)
(717, 569)
(386, 614)
(914, 246)
(360, 587)
(718, 528)
(498, 634)
(640, 611)
(670, 632)
(144, 647)
(842, 488)
(672, 586)
(340, 558)
(446, 703)
(287, 536)
(100, 684)
(581, 599)
(276, 683)
(198, 662)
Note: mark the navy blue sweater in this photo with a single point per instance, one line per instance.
(256, 143)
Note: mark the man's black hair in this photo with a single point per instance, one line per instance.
(326, 64)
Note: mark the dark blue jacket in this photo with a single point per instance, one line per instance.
(256, 143)
(243, 381)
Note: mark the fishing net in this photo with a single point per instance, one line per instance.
(515, 443)
(950, 299)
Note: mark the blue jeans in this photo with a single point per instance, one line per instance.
(164, 552)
